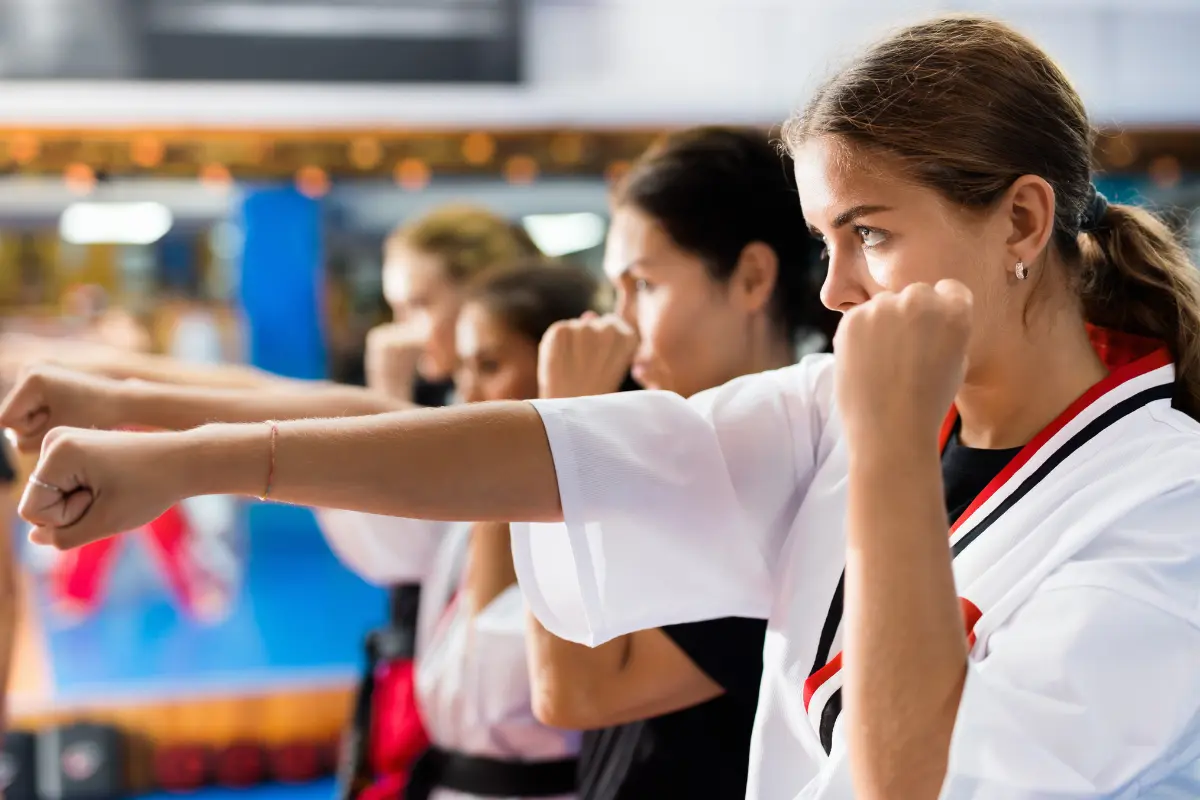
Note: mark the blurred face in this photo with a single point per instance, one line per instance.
(495, 362)
(883, 233)
(691, 336)
(419, 292)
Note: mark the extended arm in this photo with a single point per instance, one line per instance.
(173, 407)
(51, 397)
(19, 352)
(91, 484)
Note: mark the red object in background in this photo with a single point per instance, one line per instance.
(79, 576)
(182, 768)
(389, 787)
(299, 762)
(397, 734)
(240, 765)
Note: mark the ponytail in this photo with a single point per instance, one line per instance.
(1139, 279)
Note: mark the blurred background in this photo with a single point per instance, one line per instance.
(221, 174)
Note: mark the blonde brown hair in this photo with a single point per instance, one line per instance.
(529, 296)
(469, 240)
(967, 105)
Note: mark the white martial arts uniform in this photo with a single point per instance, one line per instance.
(472, 678)
(1084, 674)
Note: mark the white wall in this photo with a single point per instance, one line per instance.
(679, 61)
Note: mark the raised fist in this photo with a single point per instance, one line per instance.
(586, 356)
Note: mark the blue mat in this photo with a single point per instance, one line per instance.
(321, 790)
(299, 619)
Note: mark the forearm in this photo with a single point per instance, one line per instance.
(490, 568)
(905, 655)
(487, 462)
(164, 369)
(568, 679)
(173, 407)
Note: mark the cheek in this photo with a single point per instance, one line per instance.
(912, 262)
(661, 322)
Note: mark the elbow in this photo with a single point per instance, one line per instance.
(562, 707)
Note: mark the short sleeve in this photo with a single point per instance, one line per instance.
(674, 510)
(1086, 692)
(382, 550)
(727, 650)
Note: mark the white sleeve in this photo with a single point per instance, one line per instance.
(674, 510)
(382, 550)
(1086, 692)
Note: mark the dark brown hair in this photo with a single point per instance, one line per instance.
(967, 105)
(468, 239)
(716, 190)
(530, 296)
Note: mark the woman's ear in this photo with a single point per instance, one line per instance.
(753, 280)
(1030, 209)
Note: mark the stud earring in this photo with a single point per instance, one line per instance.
(1021, 272)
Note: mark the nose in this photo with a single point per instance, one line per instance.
(843, 288)
(625, 307)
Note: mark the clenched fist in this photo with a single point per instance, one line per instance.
(901, 358)
(93, 484)
(586, 356)
(392, 354)
(49, 397)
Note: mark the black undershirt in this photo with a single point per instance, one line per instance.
(966, 471)
(700, 752)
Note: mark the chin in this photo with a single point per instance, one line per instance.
(433, 373)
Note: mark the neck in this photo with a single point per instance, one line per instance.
(1028, 385)
(769, 351)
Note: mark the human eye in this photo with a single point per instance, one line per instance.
(641, 285)
(820, 239)
(870, 236)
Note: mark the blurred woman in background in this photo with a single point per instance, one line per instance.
(473, 685)
(714, 279)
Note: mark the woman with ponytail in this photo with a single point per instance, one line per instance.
(973, 531)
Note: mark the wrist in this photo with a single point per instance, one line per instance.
(893, 449)
(127, 404)
(225, 459)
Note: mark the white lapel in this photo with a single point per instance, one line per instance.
(1061, 490)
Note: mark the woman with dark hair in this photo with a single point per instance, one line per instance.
(714, 279)
(1013, 583)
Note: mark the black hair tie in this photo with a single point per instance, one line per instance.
(1092, 218)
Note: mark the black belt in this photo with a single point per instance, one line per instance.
(489, 777)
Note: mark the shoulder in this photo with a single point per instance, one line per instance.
(803, 391)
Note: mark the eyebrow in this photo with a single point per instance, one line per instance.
(851, 214)
(625, 269)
